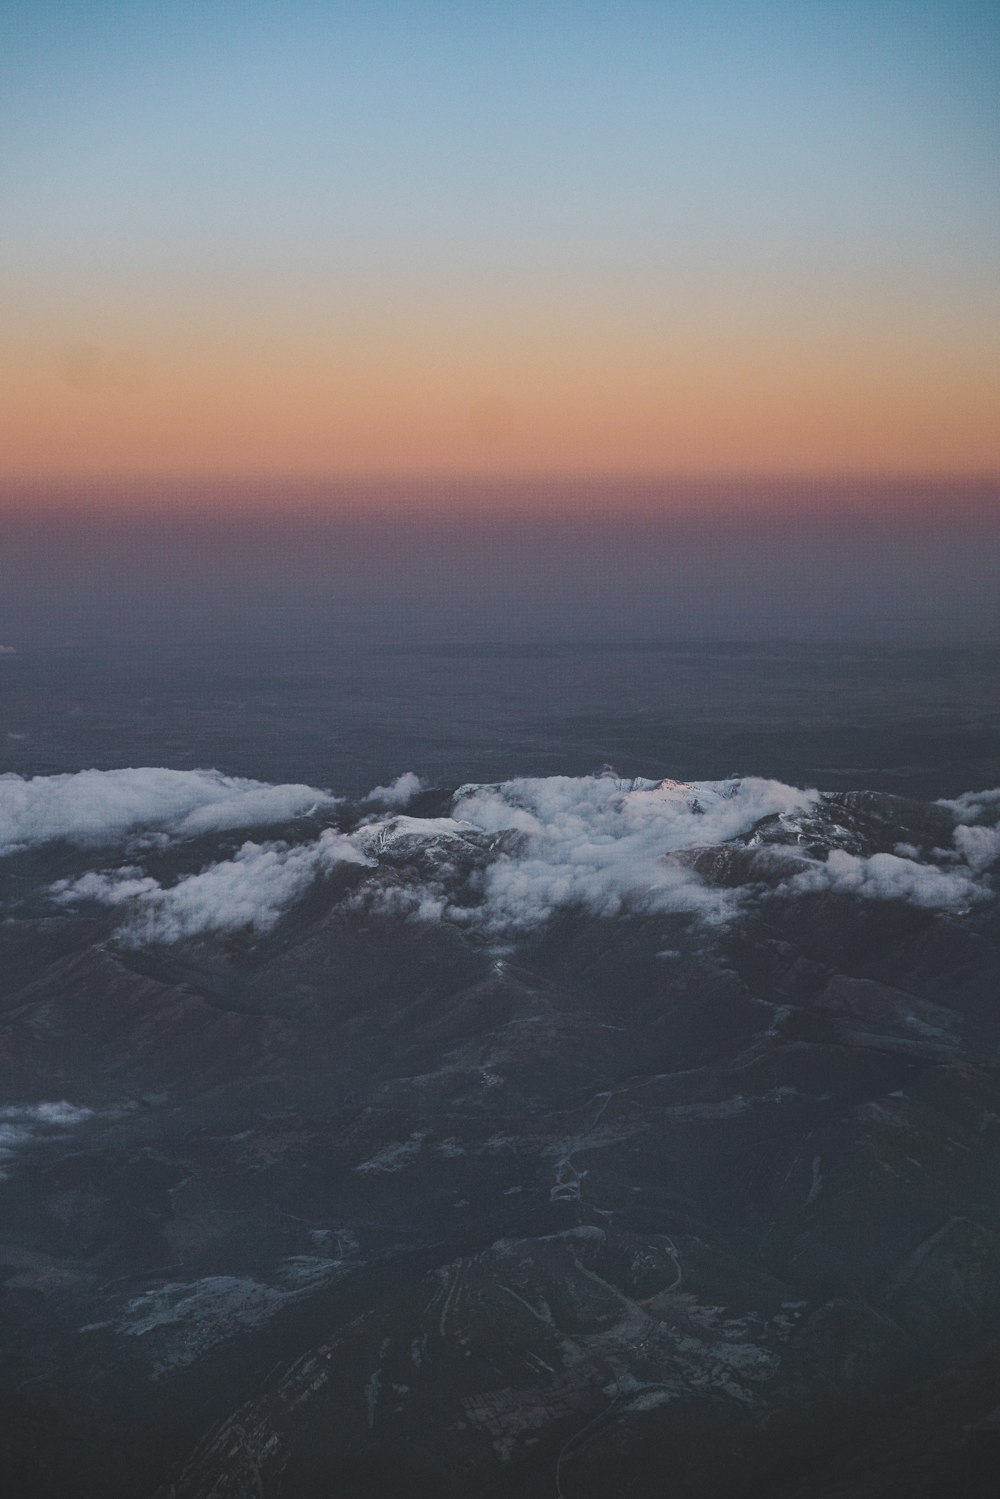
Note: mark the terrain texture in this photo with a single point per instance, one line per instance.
(557, 1139)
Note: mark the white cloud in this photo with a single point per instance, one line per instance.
(977, 837)
(512, 854)
(599, 843)
(60, 1115)
(972, 805)
(888, 877)
(252, 890)
(8, 650)
(671, 814)
(20, 1124)
(979, 847)
(399, 792)
(256, 806)
(100, 806)
(595, 842)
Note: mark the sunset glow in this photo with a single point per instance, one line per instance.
(450, 239)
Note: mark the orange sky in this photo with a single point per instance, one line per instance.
(664, 239)
(439, 390)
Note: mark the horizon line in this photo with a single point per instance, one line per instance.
(501, 476)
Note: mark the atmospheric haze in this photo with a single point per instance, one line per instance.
(341, 566)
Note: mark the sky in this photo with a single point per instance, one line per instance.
(450, 237)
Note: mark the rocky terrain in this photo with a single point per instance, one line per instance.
(551, 1140)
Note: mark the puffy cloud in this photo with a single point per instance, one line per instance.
(511, 854)
(979, 846)
(977, 836)
(595, 842)
(252, 890)
(606, 810)
(399, 792)
(888, 877)
(8, 650)
(256, 806)
(100, 806)
(599, 842)
(973, 805)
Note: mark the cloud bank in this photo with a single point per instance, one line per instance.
(512, 854)
(250, 891)
(102, 806)
(888, 877)
(598, 842)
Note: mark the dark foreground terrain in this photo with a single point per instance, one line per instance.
(464, 1176)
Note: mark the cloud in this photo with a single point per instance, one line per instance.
(251, 890)
(60, 1115)
(597, 843)
(100, 806)
(512, 854)
(256, 806)
(399, 792)
(979, 846)
(20, 1124)
(600, 844)
(972, 805)
(8, 650)
(888, 877)
(977, 837)
(605, 810)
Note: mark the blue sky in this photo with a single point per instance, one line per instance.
(711, 171)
